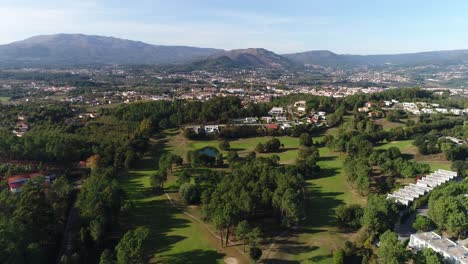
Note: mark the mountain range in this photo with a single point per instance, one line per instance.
(79, 49)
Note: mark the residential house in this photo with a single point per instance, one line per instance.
(363, 109)
(456, 111)
(281, 119)
(16, 182)
(209, 129)
(266, 119)
(276, 111)
(250, 120)
(272, 126)
(442, 110)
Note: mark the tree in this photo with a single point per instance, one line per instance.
(305, 140)
(272, 145)
(242, 231)
(339, 256)
(158, 179)
(93, 161)
(190, 193)
(255, 253)
(380, 214)
(349, 215)
(391, 251)
(232, 156)
(428, 256)
(224, 145)
(106, 257)
(254, 237)
(130, 247)
(260, 148)
(422, 223)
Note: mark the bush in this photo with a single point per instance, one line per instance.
(190, 192)
(224, 145)
(423, 223)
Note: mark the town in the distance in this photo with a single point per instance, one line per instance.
(117, 151)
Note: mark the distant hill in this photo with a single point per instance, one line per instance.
(328, 58)
(79, 49)
(252, 58)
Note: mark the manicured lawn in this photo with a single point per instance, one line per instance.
(405, 146)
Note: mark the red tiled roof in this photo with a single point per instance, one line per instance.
(24, 176)
(15, 185)
(271, 126)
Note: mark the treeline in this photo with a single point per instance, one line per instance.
(165, 114)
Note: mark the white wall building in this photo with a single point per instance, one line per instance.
(451, 251)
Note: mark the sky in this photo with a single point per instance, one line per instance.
(287, 26)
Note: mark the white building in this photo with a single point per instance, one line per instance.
(211, 129)
(456, 111)
(451, 251)
(442, 110)
(411, 192)
(276, 111)
(267, 119)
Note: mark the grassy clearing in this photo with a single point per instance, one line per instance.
(387, 125)
(175, 237)
(4, 99)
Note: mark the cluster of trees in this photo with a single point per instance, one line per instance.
(395, 115)
(448, 207)
(272, 145)
(392, 163)
(32, 222)
(258, 186)
(165, 114)
(427, 144)
(374, 222)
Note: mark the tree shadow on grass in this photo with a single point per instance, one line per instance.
(327, 158)
(320, 207)
(327, 172)
(194, 256)
(160, 217)
(236, 149)
(320, 258)
(156, 213)
(280, 261)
